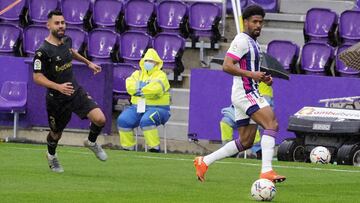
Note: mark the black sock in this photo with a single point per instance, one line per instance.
(94, 132)
(51, 144)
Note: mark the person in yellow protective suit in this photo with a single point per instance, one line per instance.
(228, 124)
(150, 103)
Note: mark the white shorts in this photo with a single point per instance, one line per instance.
(246, 105)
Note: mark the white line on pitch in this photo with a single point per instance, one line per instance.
(220, 162)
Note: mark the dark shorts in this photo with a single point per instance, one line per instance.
(60, 110)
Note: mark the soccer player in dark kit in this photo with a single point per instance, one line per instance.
(53, 70)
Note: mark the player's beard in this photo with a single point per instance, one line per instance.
(256, 33)
(56, 34)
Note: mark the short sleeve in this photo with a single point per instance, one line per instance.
(68, 42)
(238, 48)
(39, 61)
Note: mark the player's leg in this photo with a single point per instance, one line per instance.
(149, 122)
(53, 161)
(126, 122)
(235, 146)
(85, 107)
(97, 118)
(266, 118)
(58, 117)
(245, 140)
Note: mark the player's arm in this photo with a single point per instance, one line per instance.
(65, 88)
(230, 67)
(91, 65)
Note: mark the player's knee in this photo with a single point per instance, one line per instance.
(274, 125)
(55, 135)
(100, 120)
(247, 144)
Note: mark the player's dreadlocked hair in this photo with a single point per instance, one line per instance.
(54, 13)
(252, 11)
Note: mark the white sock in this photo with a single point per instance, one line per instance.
(267, 147)
(228, 149)
(51, 157)
(91, 143)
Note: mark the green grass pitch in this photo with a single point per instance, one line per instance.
(147, 177)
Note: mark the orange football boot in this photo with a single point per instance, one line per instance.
(271, 175)
(200, 168)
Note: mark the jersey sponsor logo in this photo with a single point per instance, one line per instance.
(58, 58)
(63, 67)
(37, 64)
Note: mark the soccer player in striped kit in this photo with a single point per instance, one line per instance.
(242, 61)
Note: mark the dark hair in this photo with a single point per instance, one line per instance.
(54, 13)
(253, 10)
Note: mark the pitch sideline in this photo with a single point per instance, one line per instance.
(220, 162)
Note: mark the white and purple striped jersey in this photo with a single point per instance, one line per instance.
(246, 51)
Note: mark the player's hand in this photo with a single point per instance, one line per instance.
(95, 68)
(258, 76)
(66, 88)
(268, 80)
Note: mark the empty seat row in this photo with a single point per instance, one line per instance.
(101, 44)
(317, 58)
(321, 24)
(166, 16)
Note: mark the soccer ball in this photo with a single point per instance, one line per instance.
(320, 155)
(263, 190)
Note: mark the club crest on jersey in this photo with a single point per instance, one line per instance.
(37, 64)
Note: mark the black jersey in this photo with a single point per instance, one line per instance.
(55, 62)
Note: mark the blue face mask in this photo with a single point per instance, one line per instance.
(148, 65)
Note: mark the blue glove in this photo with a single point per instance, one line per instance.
(138, 93)
(142, 84)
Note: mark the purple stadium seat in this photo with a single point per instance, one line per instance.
(357, 5)
(138, 13)
(75, 11)
(14, 13)
(349, 26)
(13, 97)
(10, 36)
(316, 58)
(39, 9)
(171, 15)
(34, 36)
(170, 48)
(286, 52)
(79, 38)
(101, 43)
(267, 5)
(121, 72)
(229, 10)
(132, 46)
(106, 12)
(341, 68)
(320, 25)
(204, 19)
